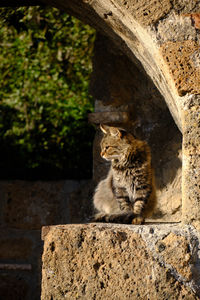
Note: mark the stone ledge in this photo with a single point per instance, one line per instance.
(109, 261)
(109, 117)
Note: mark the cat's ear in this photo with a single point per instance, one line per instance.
(112, 130)
(117, 132)
(104, 128)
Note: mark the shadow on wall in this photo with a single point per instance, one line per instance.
(118, 84)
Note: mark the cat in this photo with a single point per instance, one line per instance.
(127, 194)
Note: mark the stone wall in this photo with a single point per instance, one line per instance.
(24, 208)
(120, 262)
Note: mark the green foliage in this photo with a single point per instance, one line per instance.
(45, 65)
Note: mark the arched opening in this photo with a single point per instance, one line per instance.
(122, 88)
(130, 77)
(164, 37)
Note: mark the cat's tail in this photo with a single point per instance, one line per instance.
(120, 218)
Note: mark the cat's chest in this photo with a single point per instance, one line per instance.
(122, 178)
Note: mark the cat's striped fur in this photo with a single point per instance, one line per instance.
(127, 194)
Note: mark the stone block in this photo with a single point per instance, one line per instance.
(175, 28)
(147, 12)
(185, 6)
(182, 58)
(191, 159)
(30, 205)
(175, 252)
(109, 261)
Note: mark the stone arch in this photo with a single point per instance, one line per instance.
(164, 37)
(139, 28)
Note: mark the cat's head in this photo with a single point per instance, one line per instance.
(114, 143)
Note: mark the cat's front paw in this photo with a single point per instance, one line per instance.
(138, 220)
(100, 217)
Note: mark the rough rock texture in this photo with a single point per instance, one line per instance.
(183, 59)
(120, 262)
(191, 158)
(176, 252)
(147, 12)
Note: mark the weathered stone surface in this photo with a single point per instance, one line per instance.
(182, 59)
(175, 28)
(191, 157)
(186, 5)
(176, 252)
(29, 205)
(147, 12)
(120, 262)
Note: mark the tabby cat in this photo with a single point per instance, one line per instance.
(127, 194)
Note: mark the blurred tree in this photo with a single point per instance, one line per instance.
(45, 65)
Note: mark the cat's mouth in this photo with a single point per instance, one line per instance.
(116, 158)
(106, 158)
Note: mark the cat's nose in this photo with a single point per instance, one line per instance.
(102, 153)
